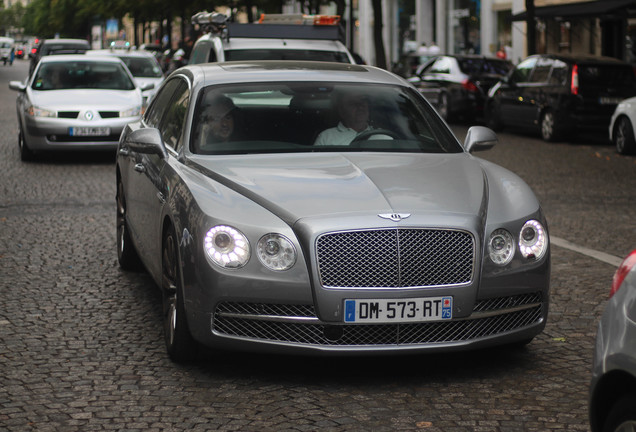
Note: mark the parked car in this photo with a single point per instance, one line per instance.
(263, 237)
(613, 387)
(560, 95)
(142, 64)
(457, 85)
(57, 46)
(6, 47)
(621, 129)
(75, 102)
(278, 37)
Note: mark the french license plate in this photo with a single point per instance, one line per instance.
(604, 100)
(399, 310)
(89, 131)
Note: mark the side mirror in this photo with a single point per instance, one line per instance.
(147, 86)
(146, 141)
(480, 138)
(17, 86)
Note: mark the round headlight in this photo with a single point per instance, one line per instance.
(533, 241)
(276, 252)
(501, 247)
(226, 247)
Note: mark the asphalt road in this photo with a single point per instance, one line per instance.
(81, 347)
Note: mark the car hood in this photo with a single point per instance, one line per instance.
(337, 184)
(60, 99)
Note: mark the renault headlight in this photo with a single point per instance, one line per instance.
(533, 241)
(226, 247)
(276, 252)
(40, 112)
(132, 112)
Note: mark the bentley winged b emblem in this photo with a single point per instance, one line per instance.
(395, 217)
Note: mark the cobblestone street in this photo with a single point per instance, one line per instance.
(81, 345)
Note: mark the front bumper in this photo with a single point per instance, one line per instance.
(53, 133)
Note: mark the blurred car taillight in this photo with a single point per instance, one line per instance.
(469, 85)
(574, 83)
(625, 267)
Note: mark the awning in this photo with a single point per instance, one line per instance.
(598, 8)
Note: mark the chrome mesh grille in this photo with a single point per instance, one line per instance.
(395, 258)
(244, 324)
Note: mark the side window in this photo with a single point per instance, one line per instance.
(212, 57)
(541, 71)
(559, 73)
(522, 72)
(159, 103)
(441, 66)
(171, 126)
(199, 52)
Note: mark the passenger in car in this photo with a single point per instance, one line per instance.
(218, 120)
(353, 111)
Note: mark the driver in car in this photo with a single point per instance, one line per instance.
(353, 110)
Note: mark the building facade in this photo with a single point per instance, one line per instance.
(598, 27)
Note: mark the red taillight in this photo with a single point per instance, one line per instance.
(625, 267)
(574, 83)
(469, 85)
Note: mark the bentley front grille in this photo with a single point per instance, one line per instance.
(299, 325)
(395, 258)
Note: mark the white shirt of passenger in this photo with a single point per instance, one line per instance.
(338, 136)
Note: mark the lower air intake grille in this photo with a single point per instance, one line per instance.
(259, 321)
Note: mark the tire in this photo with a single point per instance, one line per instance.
(26, 154)
(443, 107)
(549, 130)
(622, 416)
(180, 345)
(624, 136)
(493, 117)
(126, 253)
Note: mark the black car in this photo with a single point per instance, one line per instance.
(559, 95)
(457, 85)
(57, 46)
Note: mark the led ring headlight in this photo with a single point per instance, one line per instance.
(226, 247)
(533, 240)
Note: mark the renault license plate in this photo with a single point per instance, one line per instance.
(398, 310)
(89, 131)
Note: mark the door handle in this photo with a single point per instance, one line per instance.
(140, 168)
(124, 151)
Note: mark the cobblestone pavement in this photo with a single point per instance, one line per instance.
(81, 346)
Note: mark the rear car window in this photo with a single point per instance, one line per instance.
(604, 75)
(286, 54)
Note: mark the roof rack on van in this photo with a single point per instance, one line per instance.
(273, 26)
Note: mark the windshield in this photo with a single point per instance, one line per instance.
(310, 117)
(286, 54)
(82, 75)
(142, 67)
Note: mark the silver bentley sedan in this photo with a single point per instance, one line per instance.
(75, 102)
(324, 208)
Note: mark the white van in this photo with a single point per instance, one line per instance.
(6, 45)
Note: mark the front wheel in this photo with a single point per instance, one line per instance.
(493, 117)
(126, 253)
(180, 345)
(622, 416)
(443, 107)
(549, 131)
(26, 154)
(624, 136)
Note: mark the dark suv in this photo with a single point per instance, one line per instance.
(559, 94)
(58, 46)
